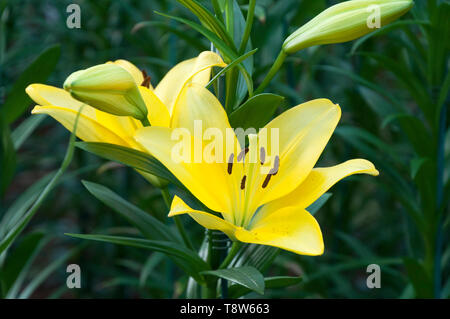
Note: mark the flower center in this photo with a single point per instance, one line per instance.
(242, 213)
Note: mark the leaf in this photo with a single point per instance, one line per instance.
(314, 207)
(7, 156)
(237, 291)
(18, 227)
(228, 53)
(258, 256)
(230, 65)
(24, 130)
(416, 164)
(208, 20)
(256, 112)
(16, 267)
(37, 72)
(149, 226)
(184, 257)
(246, 276)
(130, 157)
(46, 272)
(419, 278)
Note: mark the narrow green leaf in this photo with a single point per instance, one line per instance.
(208, 20)
(16, 267)
(237, 291)
(184, 257)
(130, 157)
(7, 156)
(231, 65)
(246, 276)
(419, 278)
(149, 226)
(228, 53)
(24, 130)
(15, 231)
(314, 207)
(38, 71)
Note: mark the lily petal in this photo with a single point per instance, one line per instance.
(158, 114)
(303, 132)
(205, 180)
(88, 129)
(196, 70)
(316, 184)
(207, 220)
(290, 228)
(49, 95)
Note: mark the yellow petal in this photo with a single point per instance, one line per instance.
(205, 180)
(207, 220)
(88, 129)
(158, 114)
(49, 95)
(290, 228)
(196, 70)
(132, 69)
(46, 95)
(303, 131)
(198, 110)
(316, 184)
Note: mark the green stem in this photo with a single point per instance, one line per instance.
(178, 222)
(248, 26)
(272, 72)
(233, 251)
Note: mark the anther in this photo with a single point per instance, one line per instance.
(276, 165)
(230, 163)
(262, 155)
(266, 180)
(146, 81)
(243, 182)
(242, 154)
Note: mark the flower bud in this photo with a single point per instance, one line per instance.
(109, 88)
(346, 21)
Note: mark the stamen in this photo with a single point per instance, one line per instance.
(242, 154)
(146, 81)
(262, 155)
(243, 181)
(230, 163)
(276, 165)
(273, 171)
(266, 180)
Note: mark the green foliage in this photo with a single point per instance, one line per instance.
(392, 85)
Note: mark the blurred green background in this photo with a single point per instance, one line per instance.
(367, 220)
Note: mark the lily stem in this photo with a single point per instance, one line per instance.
(233, 251)
(272, 72)
(178, 222)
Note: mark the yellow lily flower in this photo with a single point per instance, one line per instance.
(95, 125)
(262, 207)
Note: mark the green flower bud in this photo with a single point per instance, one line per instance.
(346, 21)
(109, 88)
